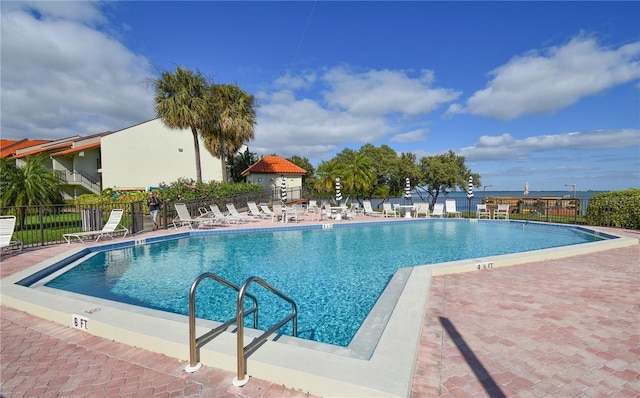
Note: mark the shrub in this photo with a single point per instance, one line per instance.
(617, 209)
(188, 189)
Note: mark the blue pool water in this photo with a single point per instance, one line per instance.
(334, 275)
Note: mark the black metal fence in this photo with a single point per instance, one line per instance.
(45, 225)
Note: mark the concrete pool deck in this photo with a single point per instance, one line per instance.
(553, 327)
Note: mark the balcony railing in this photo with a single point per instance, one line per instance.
(79, 178)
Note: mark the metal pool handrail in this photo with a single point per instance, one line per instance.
(243, 351)
(195, 343)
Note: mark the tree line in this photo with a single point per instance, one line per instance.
(376, 172)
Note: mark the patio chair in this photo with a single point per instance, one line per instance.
(356, 209)
(368, 210)
(387, 210)
(350, 213)
(266, 210)
(482, 211)
(322, 212)
(450, 208)
(231, 209)
(112, 227)
(421, 208)
(438, 210)
(277, 214)
(184, 218)
(501, 212)
(7, 227)
(255, 212)
(220, 217)
(312, 207)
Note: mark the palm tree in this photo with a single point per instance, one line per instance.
(182, 100)
(30, 185)
(327, 173)
(230, 121)
(358, 174)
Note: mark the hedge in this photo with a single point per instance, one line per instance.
(617, 209)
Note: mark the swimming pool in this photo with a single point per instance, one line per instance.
(335, 275)
(390, 334)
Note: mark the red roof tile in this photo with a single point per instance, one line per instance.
(274, 165)
(78, 149)
(44, 149)
(9, 147)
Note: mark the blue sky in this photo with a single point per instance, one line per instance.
(540, 92)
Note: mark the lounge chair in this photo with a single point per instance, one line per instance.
(112, 226)
(438, 210)
(502, 212)
(7, 227)
(255, 212)
(450, 208)
(185, 219)
(266, 210)
(231, 209)
(220, 218)
(368, 210)
(387, 210)
(421, 208)
(482, 211)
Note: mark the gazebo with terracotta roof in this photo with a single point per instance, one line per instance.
(268, 171)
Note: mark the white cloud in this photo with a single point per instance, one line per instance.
(303, 127)
(358, 108)
(295, 82)
(61, 76)
(505, 147)
(541, 83)
(411, 136)
(378, 92)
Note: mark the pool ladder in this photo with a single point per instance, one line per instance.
(195, 343)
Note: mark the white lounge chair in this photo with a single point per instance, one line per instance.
(438, 210)
(450, 206)
(482, 211)
(502, 212)
(112, 227)
(266, 210)
(220, 217)
(387, 210)
(7, 227)
(368, 210)
(233, 212)
(255, 212)
(184, 218)
(421, 208)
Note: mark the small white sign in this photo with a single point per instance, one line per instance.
(79, 322)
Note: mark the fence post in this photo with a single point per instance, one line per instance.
(164, 214)
(41, 225)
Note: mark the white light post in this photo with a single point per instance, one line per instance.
(484, 188)
(574, 189)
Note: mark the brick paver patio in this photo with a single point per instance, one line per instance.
(558, 328)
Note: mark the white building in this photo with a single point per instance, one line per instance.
(149, 153)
